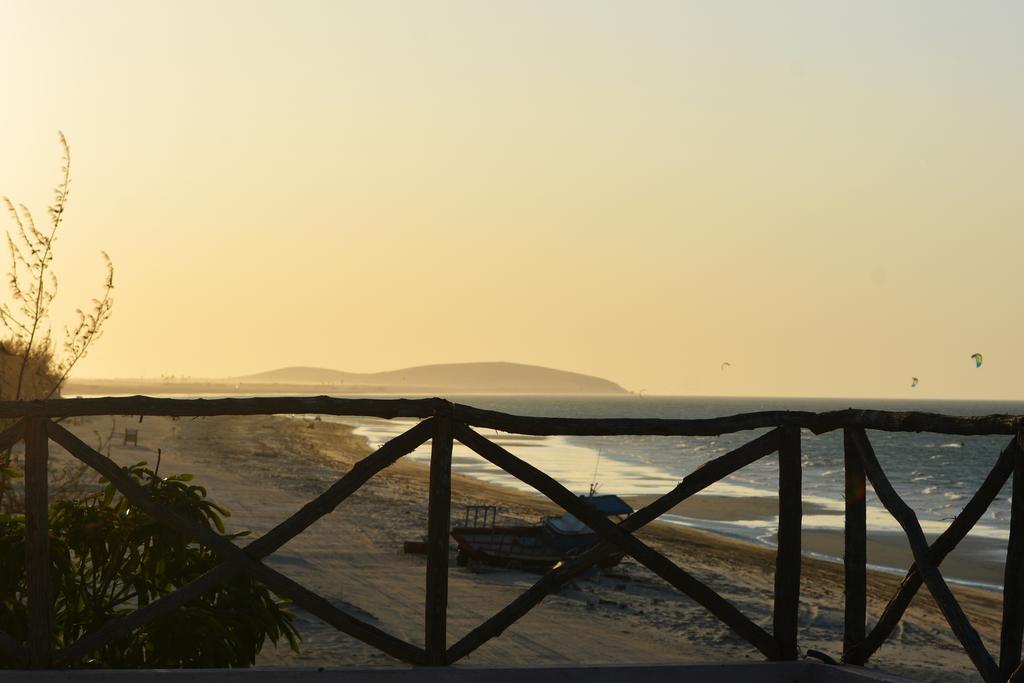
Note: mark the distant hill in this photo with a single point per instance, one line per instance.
(436, 380)
(494, 378)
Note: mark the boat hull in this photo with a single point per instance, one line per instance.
(532, 548)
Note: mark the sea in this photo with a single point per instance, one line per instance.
(935, 474)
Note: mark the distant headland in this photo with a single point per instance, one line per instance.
(449, 378)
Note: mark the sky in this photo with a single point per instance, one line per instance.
(825, 195)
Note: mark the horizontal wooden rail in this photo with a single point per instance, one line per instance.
(541, 426)
(387, 408)
(818, 423)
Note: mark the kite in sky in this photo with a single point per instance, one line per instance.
(913, 383)
(726, 364)
(977, 359)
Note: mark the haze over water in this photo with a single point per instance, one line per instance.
(825, 195)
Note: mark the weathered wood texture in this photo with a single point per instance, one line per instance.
(622, 539)
(209, 407)
(815, 422)
(937, 552)
(37, 544)
(422, 408)
(787, 563)
(855, 549)
(906, 518)
(322, 505)
(276, 581)
(438, 516)
(1013, 579)
(704, 476)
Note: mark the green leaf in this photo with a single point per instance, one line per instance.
(109, 558)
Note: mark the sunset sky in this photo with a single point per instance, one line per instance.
(826, 195)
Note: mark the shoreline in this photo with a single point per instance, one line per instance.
(974, 562)
(263, 469)
(731, 510)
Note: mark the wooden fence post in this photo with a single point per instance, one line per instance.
(855, 555)
(439, 513)
(787, 564)
(1013, 578)
(37, 544)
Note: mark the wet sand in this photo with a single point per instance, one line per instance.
(975, 561)
(264, 469)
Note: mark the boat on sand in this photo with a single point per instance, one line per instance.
(538, 547)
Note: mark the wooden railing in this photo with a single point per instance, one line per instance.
(443, 422)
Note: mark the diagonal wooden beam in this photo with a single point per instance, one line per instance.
(965, 633)
(320, 506)
(12, 435)
(279, 583)
(698, 480)
(326, 502)
(118, 626)
(860, 652)
(613, 533)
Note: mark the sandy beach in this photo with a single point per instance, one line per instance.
(265, 468)
(972, 562)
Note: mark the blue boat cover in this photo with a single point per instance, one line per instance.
(609, 504)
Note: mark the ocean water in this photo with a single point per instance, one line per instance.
(935, 474)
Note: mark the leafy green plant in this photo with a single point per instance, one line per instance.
(108, 558)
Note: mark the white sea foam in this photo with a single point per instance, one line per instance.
(654, 465)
